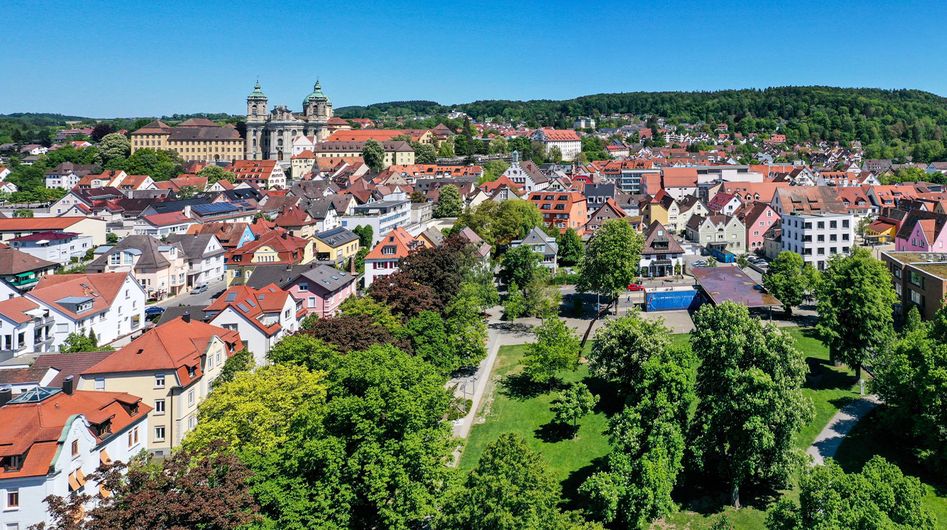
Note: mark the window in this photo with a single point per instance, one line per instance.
(100, 383)
(159, 433)
(13, 499)
(75, 448)
(159, 406)
(917, 298)
(132, 437)
(190, 397)
(159, 380)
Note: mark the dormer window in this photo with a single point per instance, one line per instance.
(12, 462)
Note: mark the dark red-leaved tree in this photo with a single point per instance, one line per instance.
(404, 295)
(352, 332)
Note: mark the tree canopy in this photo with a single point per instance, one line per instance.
(611, 259)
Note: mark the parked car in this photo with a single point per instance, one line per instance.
(154, 310)
(635, 287)
(199, 289)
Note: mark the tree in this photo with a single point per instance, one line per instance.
(855, 308)
(556, 348)
(554, 154)
(101, 130)
(111, 238)
(446, 149)
(880, 496)
(499, 223)
(515, 304)
(442, 268)
(214, 173)
(254, 412)
(160, 165)
(424, 153)
(429, 339)
(379, 313)
(498, 146)
(207, 489)
(374, 155)
(611, 259)
(743, 261)
(510, 489)
(571, 248)
(492, 170)
(449, 202)
(304, 350)
(788, 279)
(351, 332)
(114, 148)
(466, 328)
(623, 346)
(572, 404)
(365, 234)
(23, 213)
(519, 265)
(750, 404)
(77, 342)
(241, 361)
(403, 295)
(542, 297)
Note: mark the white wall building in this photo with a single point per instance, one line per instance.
(58, 247)
(818, 237)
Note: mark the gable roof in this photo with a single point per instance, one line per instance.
(13, 261)
(399, 238)
(151, 256)
(101, 288)
(659, 241)
(252, 304)
(67, 364)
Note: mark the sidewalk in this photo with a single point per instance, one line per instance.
(828, 441)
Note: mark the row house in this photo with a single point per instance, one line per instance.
(922, 231)
(67, 175)
(757, 218)
(664, 209)
(55, 438)
(688, 207)
(274, 246)
(203, 256)
(525, 174)
(606, 212)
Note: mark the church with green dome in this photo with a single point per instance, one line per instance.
(271, 132)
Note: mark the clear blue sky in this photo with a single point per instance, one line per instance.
(140, 58)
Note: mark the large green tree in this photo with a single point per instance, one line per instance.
(519, 265)
(623, 346)
(789, 279)
(880, 496)
(611, 259)
(159, 164)
(572, 404)
(750, 403)
(449, 202)
(499, 223)
(374, 155)
(114, 147)
(855, 308)
(556, 348)
(571, 248)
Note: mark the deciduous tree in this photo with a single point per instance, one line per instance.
(374, 155)
(623, 346)
(571, 248)
(519, 265)
(611, 259)
(556, 348)
(403, 295)
(449, 202)
(573, 404)
(788, 279)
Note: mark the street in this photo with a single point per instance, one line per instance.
(204, 299)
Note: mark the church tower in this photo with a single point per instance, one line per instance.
(256, 121)
(317, 110)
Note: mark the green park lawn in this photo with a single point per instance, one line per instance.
(510, 408)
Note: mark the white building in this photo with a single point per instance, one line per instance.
(204, 256)
(58, 247)
(818, 236)
(568, 142)
(525, 174)
(262, 317)
(53, 439)
(112, 304)
(382, 216)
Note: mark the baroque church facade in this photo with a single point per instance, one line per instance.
(270, 134)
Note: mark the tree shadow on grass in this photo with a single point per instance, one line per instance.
(609, 401)
(521, 386)
(708, 496)
(553, 432)
(571, 500)
(824, 375)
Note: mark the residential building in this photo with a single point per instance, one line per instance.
(679, 182)
(25, 327)
(524, 174)
(542, 244)
(196, 139)
(320, 288)
(382, 216)
(53, 439)
(162, 225)
(920, 280)
(384, 258)
(275, 246)
(606, 212)
(665, 210)
(566, 140)
(204, 257)
(922, 231)
(661, 254)
(396, 152)
(12, 227)
(757, 218)
(724, 203)
(338, 246)
(113, 304)
(230, 235)
(721, 232)
(66, 175)
(562, 210)
(159, 267)
(262, 317)
(56, 247)
(21, 271)
(818, 236)
(688, 207)
(265, 174)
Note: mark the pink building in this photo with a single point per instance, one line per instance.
(922, 231)
(758, 217)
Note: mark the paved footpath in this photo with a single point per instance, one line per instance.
(828, 441)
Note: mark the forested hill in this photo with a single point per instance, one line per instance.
(889, 123)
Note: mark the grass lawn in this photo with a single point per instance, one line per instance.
(572, 460)
(869, 438)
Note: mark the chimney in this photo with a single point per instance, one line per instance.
(6, 394)
(186, 317)
(67, 385)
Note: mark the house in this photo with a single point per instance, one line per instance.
(172, 367)
(266, 174)
(688, 207)
(113, 304)
(320, 288)
(183, 183)
(817, 236)
(57, 247)
(12, 227)
(230, 236)
(396, 152)
(222, 212)
(597, 193)
(502, 189)
(679, 182)
(25, 327)
(481, 248)
(606, 212)
(541, 243)
(721, 232)
(275, 246)
(724, 203)
(920, 280)
(805, 200)
(55, 438)
(66, 175)
(757, 218)
(21, 271)
(382, 216)
(80, 201)
(204, 257)
(661, 254)
(922, 231)
(159, 267)
(567, 141)
(384, 257)
(562, 210)
(525, 175)
(262, 317)
(663, 209)
(338, 246)
(161, 225)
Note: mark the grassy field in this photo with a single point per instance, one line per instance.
(868, 439)
(511, 409)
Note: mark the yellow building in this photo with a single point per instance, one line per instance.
(196, 139)
(337, 245)
(665, 210)
(396, 153)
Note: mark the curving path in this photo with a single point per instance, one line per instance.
(826, 444)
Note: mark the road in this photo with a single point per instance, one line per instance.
(202, 299)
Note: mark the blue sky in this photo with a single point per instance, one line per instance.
(140, 58)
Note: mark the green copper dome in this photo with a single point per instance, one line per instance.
(257, 93)
(316, 94)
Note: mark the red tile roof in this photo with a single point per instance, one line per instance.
(561, 135)
(253, 304)
(103, 287)
(398, 239)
